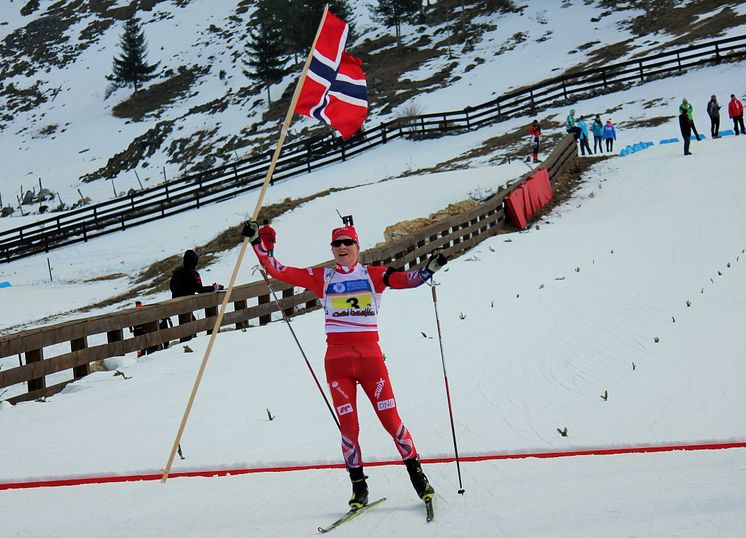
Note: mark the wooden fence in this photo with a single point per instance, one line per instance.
(250, 302)
(227, 181)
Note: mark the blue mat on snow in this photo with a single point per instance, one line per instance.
(5, 284)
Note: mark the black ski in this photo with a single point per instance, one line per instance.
(351, 515)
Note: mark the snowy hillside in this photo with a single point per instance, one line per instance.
(537, 327)
(58, 127)
(616, 318)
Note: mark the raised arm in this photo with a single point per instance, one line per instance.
(311, 278)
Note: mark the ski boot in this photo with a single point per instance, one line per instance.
(423, 488)
(359, 488)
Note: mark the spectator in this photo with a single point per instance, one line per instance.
(598, 135)
(609, 135)
(735, 112)
(534, 132)
(583, 136)
(138, 330)
(185, 281)
(686, 108)
(571, 126)
(686, 130)
(713, 110)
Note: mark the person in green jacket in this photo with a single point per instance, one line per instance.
(686, 108)
(570, 125)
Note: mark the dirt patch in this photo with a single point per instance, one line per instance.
(141, 147)
(158, 275)
(154, 98)
(112, 276)
(647, 122)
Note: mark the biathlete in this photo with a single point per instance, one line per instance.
(350, 293)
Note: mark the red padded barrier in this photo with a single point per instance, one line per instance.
(528, 198)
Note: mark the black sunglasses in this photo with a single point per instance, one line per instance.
(339, 242)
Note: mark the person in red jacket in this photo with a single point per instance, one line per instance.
(534, 132)
(735, 112)
(350, 293)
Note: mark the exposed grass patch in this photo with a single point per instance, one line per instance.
(157, 276)
(647, 122)
(157, 96)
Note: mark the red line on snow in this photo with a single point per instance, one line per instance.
(76, 481)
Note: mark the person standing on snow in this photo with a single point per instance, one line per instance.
(735, 112)
(609, 135)
(350, 293)
(597, 128)
(583, 136)
(534, 132)
(713, 110)
(686, 130)
(686, 107)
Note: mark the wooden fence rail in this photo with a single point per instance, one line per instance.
(250, 302)
(227, 181)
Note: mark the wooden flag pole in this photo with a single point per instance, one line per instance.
(242, 252)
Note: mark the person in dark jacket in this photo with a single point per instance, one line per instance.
(185, 281)
(686, 130)
(713, 110)
(686, 107)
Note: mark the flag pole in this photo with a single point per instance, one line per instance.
(242, 252)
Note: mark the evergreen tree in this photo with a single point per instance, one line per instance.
(395, 12)
(131, 68)
(265, 46)
(300, 20)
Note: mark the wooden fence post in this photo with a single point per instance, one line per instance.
(211, 311)
(84, 369)
(38, 383)
(286, 294)
(264, 299)
(238, 306)
(183, 319)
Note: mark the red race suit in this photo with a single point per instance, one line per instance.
(351, 297)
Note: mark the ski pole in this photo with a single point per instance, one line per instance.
(448, 392)
(292, 331)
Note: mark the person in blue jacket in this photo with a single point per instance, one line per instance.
(583, 136)
(597, 128)
(609, 135)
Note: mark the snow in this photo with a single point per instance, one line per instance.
(645, 241)
(536, 326)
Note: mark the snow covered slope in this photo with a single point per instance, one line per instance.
(537, 327)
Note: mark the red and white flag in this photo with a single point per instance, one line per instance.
(334, 90)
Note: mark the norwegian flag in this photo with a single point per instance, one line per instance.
(334, 90)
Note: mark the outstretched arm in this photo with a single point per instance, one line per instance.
(395, 279)
(311, 278)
